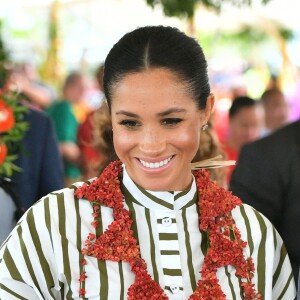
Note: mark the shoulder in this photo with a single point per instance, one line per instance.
(59, 202)
(251, 222)
(59, 106)
(36, 117)
(282, 138)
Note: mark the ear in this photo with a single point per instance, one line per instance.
(210, 102)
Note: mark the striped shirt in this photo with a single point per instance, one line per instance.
(41, 258)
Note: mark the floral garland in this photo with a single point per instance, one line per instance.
(118, 243)
(12, 131)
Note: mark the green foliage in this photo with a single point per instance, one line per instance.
(286, 34)
(186, 8)
(4, 59)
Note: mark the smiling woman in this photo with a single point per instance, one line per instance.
(148, 227)
(158, 137)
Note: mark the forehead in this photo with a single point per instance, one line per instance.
(249, 113)
(155, 86)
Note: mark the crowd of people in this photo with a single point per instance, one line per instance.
(121, 211)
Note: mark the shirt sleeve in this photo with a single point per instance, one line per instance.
(27, 268)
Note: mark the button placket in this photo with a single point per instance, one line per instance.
(174, 288)
(167, 221)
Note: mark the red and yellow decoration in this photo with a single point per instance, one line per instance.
(118, 243)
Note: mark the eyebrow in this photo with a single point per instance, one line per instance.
(170, 111)
(161, 114)
(127, 113)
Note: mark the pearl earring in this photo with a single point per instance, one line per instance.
(204, 127)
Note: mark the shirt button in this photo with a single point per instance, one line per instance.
(174, 288)
(166, 221)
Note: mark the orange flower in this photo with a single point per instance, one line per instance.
(7, 120)
(3, 152)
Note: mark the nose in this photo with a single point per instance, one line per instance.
(152, 141)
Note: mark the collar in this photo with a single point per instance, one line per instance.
(158, 200)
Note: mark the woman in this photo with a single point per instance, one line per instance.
(133, 233)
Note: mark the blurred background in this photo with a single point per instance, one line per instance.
(249, 44)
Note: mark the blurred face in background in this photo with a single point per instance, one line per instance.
(276, 111)
(246, 125)
(75, 87)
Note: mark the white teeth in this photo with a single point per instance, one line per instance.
(156, 164)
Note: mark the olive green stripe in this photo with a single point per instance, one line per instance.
(102, 266)
(12, 268)
(159, 221)
(79, 243)
(204, 236)
(191, 202)
(64, 240)
(62, 292)
(4, 288)
(168, 236)
(248, 229)
(129, 201)
(155, 199)
(42, 260)
(152, 245)
(275, 237)
(27, 258)
(47, 218)
(261, 263)
(188, 243)
(181, 194)
(169, 252)
(128, 197)
(172, 272)
(283, 254)
(233, 296)
(121, 280)
(291, 277)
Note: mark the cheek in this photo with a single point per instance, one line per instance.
(122, 143)
(188, 140)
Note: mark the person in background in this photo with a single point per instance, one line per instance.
(276, 110)
(34, 90)
(267, 177)
(246, 120)
(66, 125)
(41, 170)
(149, 227)
(95, 148)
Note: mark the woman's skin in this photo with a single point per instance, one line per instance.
(157, 127)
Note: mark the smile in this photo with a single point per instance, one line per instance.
(155, 165)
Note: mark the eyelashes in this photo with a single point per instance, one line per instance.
(171, 122)
(134, 124)
(130, 124)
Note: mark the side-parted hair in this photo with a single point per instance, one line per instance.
(158, 47)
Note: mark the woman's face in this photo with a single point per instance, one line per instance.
(156, 128)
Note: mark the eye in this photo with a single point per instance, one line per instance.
(130, 124)
(171, 122)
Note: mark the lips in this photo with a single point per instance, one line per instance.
(155, 165)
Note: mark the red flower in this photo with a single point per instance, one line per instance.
(3, 153)
(82, 292)
(7, 120)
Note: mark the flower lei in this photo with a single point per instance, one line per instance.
(118, 243)
(12, 131)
